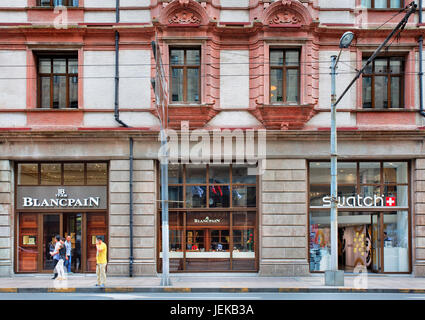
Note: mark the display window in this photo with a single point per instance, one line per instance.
(213, 225)
(373, 216)
(59, 198)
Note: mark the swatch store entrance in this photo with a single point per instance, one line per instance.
(66, 199)
(374, 216)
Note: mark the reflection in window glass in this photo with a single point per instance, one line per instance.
(219, 196)
(292, 85)
(320, 172)
(177, 84)
(244, 196)
(395, 172)
(317, 193)
(97, 174)
(196, 174)
(370, 172)
(276, 85)
(73, 173)
(27, 173)
(175, 196)
(347, 172)
(175, 173)
(196, 197)
(193, 85)
(241, 174)
(396, 242)
(51, 174)
(219, 174)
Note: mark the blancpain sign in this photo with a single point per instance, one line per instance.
(361, 201)
(206, 220)
(61, 197)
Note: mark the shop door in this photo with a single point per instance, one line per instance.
(96, 226)
(72, 226)
(376, 242)
(52, 226)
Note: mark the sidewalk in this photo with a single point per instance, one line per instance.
(212, 283)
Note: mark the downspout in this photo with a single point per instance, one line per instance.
(117, 118)
(117, 61)
(421, 83)
(131, 208)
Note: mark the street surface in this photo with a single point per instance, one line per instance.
(212, 296)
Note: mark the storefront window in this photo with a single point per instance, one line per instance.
(370, 233)
(97, 174)
(27, 173)
(73, 174)
(206, 233)
(51, 174)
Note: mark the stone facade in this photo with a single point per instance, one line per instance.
(144, 208)
(6, 218)
(283, 226)
(418, 220)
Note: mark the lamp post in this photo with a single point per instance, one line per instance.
(334, 277)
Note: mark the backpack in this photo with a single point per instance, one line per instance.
(62, 252)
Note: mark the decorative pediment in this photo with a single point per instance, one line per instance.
(286, 13)
(183, 12)
(285, 17)
(184, 17)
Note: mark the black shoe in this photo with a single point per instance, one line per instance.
(55, 276)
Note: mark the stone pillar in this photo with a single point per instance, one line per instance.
(418, 219)
(144, 208)
(6, 219)
(283, 221)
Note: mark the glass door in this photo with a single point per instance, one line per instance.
(376, 242)
(72, 228)
(51, 227)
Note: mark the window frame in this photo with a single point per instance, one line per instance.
(388, 7)
(51, 75)
(284, 69)
(388, 74)
(68, 3)
(185, 66)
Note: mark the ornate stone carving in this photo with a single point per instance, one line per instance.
(285, 17)
(184, 17)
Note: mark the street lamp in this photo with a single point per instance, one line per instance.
(334, 277)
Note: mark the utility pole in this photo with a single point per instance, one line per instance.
(161, 100)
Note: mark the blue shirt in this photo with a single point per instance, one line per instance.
(57, 247)
(68, 248)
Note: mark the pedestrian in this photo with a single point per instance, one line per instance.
(55, 255)
(62, 257)
(101, 261)
(68, 246)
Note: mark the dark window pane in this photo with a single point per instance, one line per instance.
(241, 174)
(276, 90)
(59, 65)
(395, 92)
(244, 196)
(219, 196)
(45, 3)
(45, 92)
(196, 174)
(368, 69)
(395, 65)
(27, 173)
(72, 65)
(177, 57)
(175, 196)
(380, 65)
(196, 197)
(192, 84)
(177, 84)
(73, 173)
(193, 57)
(44, 66)
(219, 174)
(59, 92)
(97, 174)
(276, 58)
(51, 174)
(367, 92)
(73, 92)
(175, 173)
(381, 92)
(291, 57)
(291, 85)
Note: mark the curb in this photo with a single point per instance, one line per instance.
(207, 290)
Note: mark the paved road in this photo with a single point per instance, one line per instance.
(212, 296)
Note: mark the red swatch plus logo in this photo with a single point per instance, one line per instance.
(390, 201)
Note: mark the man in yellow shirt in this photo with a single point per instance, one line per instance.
(101, 261)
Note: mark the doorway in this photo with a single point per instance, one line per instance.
(37, 231)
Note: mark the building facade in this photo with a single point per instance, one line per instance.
(79, 135)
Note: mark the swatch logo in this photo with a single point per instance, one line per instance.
(360, 201)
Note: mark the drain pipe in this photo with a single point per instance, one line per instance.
(117, 61)
(421, 83)
(131, 209)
